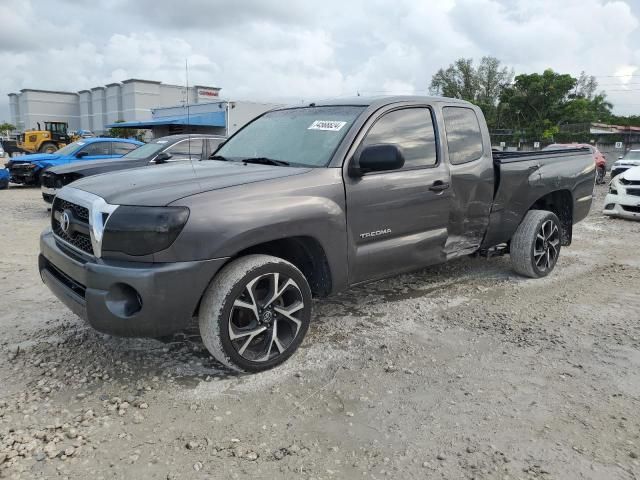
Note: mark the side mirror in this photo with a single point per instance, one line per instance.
(162, 157)
(377, 158)
(620, 157)
(82, 154)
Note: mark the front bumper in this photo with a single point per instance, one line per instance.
(622, 205)
(24, 176)
(129, 299)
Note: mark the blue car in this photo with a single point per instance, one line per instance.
(28, 168)
(4, 178)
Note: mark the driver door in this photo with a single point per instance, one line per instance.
(397, 220)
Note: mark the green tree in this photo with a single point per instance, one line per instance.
(124, 132)
(584, 110)
(6, 127)
(535, 102)
(482, 85)
(627, 121)
(586, 86)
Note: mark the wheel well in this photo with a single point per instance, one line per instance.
(559, 202)
(305, 253)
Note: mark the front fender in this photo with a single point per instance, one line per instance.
(224, 222)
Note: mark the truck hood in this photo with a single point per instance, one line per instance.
(96, 165)
(633, 174)
(627, 163)
(163, 184)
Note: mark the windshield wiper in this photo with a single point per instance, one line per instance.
(219, 157)
(266, 161)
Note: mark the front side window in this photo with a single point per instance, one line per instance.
(71, 148)
(147, 150)
(306, 136)
(97, 148)
(191, 148)
(122, 148)
(463, 134)
(412, 130)
(214, 143)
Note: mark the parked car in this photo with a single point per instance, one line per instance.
(623, 199)
(162, 150)
(598, 157)
(10, 147)
(4, 178)
(624, 163)
(28, 168)
(304, 201)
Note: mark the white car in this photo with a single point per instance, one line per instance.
(631, 159)
(623, 199)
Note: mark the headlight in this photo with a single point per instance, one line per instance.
(143, 230)
(63, 180)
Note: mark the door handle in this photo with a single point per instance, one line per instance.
(439, 186)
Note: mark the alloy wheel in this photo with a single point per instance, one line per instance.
(547, 246)
(264, 319)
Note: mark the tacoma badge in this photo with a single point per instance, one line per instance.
(377, 233)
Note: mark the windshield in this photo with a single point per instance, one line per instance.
(146, 151)
(632, 155)
(299, 136)
(69, 149)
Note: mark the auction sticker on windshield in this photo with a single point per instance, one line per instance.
(329, 125)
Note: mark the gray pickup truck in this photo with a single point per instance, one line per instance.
(302, 202)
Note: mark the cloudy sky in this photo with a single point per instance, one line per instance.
(302, 50)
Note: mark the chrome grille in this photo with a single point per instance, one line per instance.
(77, 239)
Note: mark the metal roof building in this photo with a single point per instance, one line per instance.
(131, 100)
(219, 118)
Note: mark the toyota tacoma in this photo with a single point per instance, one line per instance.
(303, 202)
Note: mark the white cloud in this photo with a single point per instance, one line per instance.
(263, 49)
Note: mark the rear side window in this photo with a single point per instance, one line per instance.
(463, 134)
(122, 148)
(97, 148)
(412, 130)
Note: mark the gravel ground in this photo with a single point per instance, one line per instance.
(458, 371)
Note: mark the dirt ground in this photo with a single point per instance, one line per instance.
(459, 371)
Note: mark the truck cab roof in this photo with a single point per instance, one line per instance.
(384, 100)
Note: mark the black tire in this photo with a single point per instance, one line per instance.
(236, 303)
(535, 247)
(48, 147)
(4, 184)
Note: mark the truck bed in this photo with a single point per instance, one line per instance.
(526, 180)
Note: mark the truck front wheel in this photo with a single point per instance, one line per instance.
(255, 313)
(48, 147)
(535, 246)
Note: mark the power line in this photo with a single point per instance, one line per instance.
(617, 76)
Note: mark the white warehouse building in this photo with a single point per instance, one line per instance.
(131, 100)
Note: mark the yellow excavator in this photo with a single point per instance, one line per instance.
(54, 136)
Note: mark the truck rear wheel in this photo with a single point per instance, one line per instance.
(535, 246)
(255, 313)
(48, 147)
